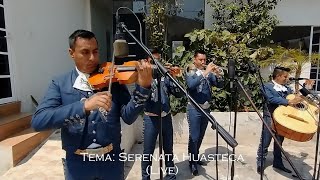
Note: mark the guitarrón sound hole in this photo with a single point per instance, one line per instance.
(301, 106)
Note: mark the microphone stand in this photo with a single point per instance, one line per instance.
(315, 172)
(158, 75)
(223, 133)
(234, 102)
(265, 103)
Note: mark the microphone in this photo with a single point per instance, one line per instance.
(231, 69)
(120, 45)
(306, 93)
(252, 68)
(296, 79)
(231, 72)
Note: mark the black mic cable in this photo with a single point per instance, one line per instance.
(122, 47)
(296, 79)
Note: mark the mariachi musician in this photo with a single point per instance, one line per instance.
(152, 122)
(71, 104)
(199, 81)
(276, 92)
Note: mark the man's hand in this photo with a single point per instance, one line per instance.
(168, 65)
(218, 72)
(174, 71)
(100, 99)
(209, 69)
(309, 83)
(296, 100)
(144, 74)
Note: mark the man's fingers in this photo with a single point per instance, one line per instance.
(139, 66)
(105, 105)
(145, 67)
(143, 64)
(103, 93)
(148, 67)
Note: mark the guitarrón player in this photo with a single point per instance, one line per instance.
(276, 92)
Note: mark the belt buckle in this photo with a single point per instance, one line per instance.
(109, 148)
(205, 105)
(95, 151)
(164, 114)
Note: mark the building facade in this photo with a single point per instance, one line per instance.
(34, 46)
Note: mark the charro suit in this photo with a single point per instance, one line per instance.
(152, 125)
(62, 107)
(275, 96)
(199, 88)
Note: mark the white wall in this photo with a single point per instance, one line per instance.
(298, 13)
(38, 40)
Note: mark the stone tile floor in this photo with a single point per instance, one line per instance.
(45, 162)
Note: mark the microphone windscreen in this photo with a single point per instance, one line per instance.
(231, 69)
(121, 49)
(304, 92)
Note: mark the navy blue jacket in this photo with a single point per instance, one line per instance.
(62, 108)
(199, 87)
(275, 98)
(167, 88)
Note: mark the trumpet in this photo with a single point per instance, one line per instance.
(218, 70)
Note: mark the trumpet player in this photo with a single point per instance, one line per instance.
(199, 79)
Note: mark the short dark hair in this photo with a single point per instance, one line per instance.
(279, 70)
(199, 52)
(82, 34)
(154, 51)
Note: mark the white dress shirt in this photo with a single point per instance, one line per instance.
(81, 82)
(279, 87)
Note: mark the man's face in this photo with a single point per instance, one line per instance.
(155, 55)
(200, 61)
(283, 78)
(85, 54)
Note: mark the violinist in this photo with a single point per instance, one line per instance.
(152, 124)
(71, 104)
(199, 81)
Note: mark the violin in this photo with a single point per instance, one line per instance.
(124, 74)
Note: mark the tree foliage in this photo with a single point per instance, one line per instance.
(240, 32)
(250, 19)
(156, 20)
(295, 59)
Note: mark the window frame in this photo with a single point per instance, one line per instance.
(7, 53)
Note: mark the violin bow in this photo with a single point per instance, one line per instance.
(111, 73)
(103, 111)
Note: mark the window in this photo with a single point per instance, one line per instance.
(315, 68)
(299, 37)
(2, 24)
(5, 75)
